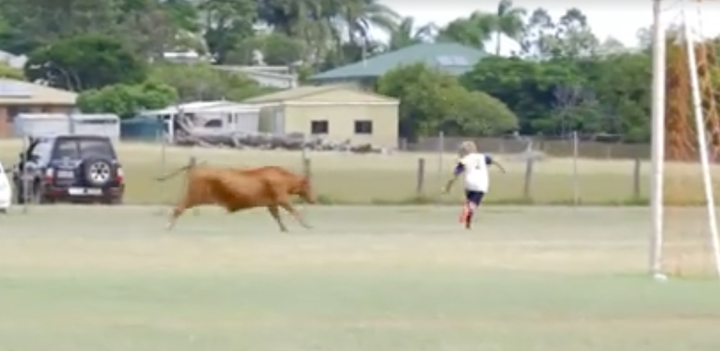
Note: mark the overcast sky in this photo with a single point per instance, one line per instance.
(620, 21)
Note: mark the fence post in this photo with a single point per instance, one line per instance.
(162, 139)
(420, 176)
(70, 125)
(307, 168)
(528, 177)
(23, 177)
(192, 162)
(441, 151)
(636, 179)
(576, 179)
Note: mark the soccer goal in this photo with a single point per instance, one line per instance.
(685, 143)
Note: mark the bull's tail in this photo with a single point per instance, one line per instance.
(178, 171)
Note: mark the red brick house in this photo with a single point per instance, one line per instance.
(24, 97)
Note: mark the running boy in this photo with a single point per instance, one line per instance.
(474, 165)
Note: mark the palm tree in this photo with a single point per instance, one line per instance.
(310, 21)
(508, 22)
(359, 16)
(407, 35)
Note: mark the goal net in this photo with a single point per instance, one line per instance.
(684, 197)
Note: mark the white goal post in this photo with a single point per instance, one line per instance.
(658, 138)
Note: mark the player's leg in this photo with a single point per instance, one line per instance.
(473, 199)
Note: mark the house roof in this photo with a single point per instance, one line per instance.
(17, 92)
(76, 116)
(222, 106)
(452, 58)
(307, 91)
(289, 94)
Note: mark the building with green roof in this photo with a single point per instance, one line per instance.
(452, 58)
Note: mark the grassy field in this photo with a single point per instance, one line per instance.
(350, 178)
(382, 279)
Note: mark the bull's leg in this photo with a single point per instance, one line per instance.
(289, 207)
(177, 212)
(275, 213)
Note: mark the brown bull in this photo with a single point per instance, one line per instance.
(238, 189)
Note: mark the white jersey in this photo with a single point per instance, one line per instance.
(475, 169)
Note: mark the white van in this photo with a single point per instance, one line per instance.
(5, 190)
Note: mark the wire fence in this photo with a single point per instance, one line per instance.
(557, 171)
(539, 172)
(553, 147)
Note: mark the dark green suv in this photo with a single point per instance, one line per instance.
(69, 168)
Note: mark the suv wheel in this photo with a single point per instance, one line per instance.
(97, 172)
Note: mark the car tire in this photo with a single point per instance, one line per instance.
(98, 172)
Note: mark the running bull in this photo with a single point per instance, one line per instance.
(239, 189)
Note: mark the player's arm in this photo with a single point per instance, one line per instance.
(491, 161)
(459, 169)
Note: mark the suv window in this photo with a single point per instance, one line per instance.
(78, 148)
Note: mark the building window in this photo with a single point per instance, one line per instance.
(319, 127)
(363, 127)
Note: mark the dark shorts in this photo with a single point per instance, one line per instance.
(474, 197)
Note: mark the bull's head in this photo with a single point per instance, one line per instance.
(305, 190)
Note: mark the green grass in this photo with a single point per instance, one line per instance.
(390, 179)
(383, 279)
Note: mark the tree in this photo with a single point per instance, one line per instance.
(183, 14)
(621, 83)
(405, 34)
(45, 21)
(538, 36)
(147, 28)
(227, 24)
(205, 82)
(611, 46)
(275, 49)
(432, 101)
(85, 62)
(508, 22)
(362, 15)
(306, 20)
(473, 31)
(126, 100)
(4, 27)
(574, 109)
(144, 26)
(644, 38)
(575, 37)
(526, 87)
(476, 114)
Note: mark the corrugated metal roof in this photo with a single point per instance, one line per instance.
(200, 106)
(19, 92)
(65, 115)
(452, 58)
(305, 91)
(290, 94)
